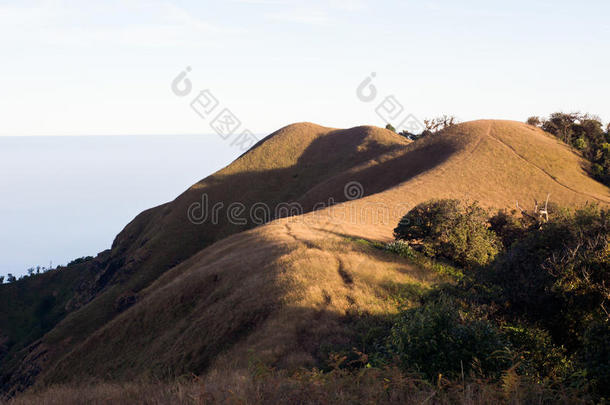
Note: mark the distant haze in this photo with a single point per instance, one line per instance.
(67, 197)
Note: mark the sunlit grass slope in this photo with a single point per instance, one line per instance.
(287, 288)
(175, 297)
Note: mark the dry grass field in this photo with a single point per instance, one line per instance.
(208, 296)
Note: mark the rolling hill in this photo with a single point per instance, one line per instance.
(176, 294)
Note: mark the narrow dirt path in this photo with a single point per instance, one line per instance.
(345, 275)
(291, 233)
(541, 169)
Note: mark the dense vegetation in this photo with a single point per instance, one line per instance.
(32, 305)
(585, 133)
(531, 303)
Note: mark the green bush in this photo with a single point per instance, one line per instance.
(437, 339)
(597, 170)
(427, 220)
(449, 229)
(507, 227)
(400, 248)
(539, 358)
(558, 275)
(595, 356)
(536, 312)
(580, 144)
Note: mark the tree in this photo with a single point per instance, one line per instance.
(560, 125)
(584, 132)
(534, 120)
(390, 127)
(1, 279)
(439, 123)
(431, 126)
(450, 229)
(30, 271)
(10, 278)
(426, 220)
(595, 355)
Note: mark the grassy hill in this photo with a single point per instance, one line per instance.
(280, 168)
(206, 296)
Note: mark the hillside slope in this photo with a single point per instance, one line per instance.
(280, 168)
(288, 288)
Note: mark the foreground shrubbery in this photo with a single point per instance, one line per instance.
(533, 300)
(439, 339)
(264, 385)
(525, 321)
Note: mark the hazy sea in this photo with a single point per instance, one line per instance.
(63, 197)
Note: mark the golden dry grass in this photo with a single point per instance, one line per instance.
(263, 385)
(284, 288)
(281, 168)
(493, 162)
(279, 290)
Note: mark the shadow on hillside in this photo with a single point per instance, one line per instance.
(313, 335)
(160, 238)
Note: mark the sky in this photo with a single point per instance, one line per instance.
(169, 68)
(107, 67)
(63, 197)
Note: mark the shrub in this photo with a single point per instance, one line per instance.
(580, 144)
(447, 228)
(80, 260)
(427, 220)
(597, 170)
(558, 275)
(400, 248)
(534, 120)
(540, 358)
(507, 227)
(595, 356)
(437, 339)
(403, 249)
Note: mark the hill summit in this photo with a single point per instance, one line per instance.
(189, 288)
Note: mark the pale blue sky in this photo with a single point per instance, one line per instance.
(106, 68)
(84, 67)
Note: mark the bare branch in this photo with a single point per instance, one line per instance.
(539, 214)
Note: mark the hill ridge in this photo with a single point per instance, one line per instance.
(161, 260)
